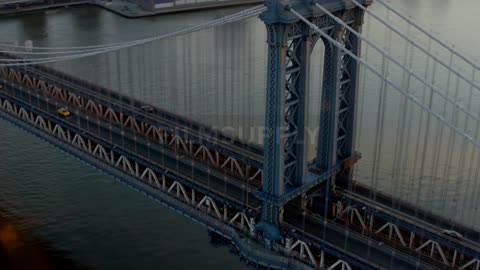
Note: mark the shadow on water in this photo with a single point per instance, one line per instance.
(22, 249)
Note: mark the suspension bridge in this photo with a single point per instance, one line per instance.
(301, 199)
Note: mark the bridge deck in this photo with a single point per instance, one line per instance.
(422, 217)
(250, 152)
(29, 99)
(217, 182)
(313, 229)
(251, 250)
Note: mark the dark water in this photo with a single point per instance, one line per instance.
(104, 225)
(20, 249)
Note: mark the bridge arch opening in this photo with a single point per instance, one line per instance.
(317, 60)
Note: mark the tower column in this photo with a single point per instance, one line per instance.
(285, 161)
(327, 147)
(339, 99)
(273, 161)
(329, 107)
(349, 97)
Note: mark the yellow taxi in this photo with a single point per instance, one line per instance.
(63, 112)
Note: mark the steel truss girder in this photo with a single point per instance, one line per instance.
(357, 262)
(138, 124)
(410, 235)
(127, 133)
(126, 163)
(200, 208)
(31, 72)
(141, 161)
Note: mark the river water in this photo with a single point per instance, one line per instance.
(216, 76)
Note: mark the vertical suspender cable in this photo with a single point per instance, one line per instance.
(363, 89)
(216, 78)
(399, 164)
(109, 84)
(419, 132)
(474, 166)
(423, 49)
(379, 127)
(450, 152)
(427, 33)
(439, 133)
(426, 137)
(399, 136)
(231, 63)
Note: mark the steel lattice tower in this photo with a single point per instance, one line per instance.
(290, 43)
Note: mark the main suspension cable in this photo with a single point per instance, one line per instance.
(395, 61)
(417, 45)
(396, 87)
(228, 19)
(427, 33)
(225, 19)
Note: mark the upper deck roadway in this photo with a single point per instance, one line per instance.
(313, 229)
(220, 184)
(252, 154)
(216, 181)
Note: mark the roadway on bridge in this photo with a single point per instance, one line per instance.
(313, 229)
(253, 154)
(224, 186)
(402, 210)
(154, 155)
(221, 184)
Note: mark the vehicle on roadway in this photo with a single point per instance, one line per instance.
(147, 108)
(453, 234)
(63, 112)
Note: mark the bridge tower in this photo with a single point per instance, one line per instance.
(290, 43)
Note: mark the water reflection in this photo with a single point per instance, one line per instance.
(34, 27)
(20, 249)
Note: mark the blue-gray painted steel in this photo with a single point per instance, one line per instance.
(254, 254)
(290, 42)
(259, 257)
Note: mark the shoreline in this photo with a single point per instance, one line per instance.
(132, 10)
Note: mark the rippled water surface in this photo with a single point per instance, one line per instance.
(217, 77)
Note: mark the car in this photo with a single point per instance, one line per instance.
(453, 234)
(147, 108)
(63, 112)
